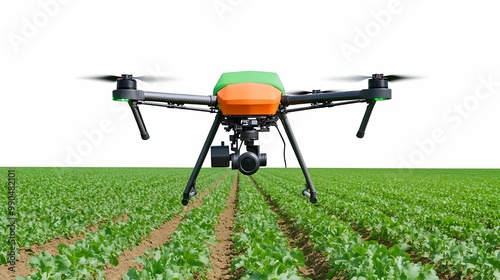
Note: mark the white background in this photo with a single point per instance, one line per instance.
(447, 118)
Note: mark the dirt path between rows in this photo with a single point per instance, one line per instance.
(316, 263)
(157, 238)
(22, 267)
(223, 252)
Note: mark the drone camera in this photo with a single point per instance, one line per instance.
(247, 163)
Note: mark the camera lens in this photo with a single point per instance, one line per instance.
(249, 163)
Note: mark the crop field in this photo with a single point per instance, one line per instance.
(129, 223)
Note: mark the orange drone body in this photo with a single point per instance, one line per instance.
(249, 93)
(245, 99)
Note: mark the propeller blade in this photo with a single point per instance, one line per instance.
(358, 78)
(144, 78)
(351, 78)
(107, 78)
(394, 78)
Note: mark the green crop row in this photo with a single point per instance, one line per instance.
(427, 217)
(368, 201)
(448, 219)
(49, 205)
(187, 253)
(265, 252)
(449, 254)
(467, 208)
(348, 255)
(405, 200)
(463, 257)
(153, 202)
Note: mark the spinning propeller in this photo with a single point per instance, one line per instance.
(357, 78)
(144, 78)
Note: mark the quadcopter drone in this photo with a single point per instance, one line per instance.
(246, 103)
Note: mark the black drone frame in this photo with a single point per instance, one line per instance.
(245, 129)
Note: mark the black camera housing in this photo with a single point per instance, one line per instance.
(220, 155)
(247, 163)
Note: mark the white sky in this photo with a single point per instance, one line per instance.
(448, 118)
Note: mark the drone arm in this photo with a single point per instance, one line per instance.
(365, 94)
(321, 105)
(287, 100)
(176, 98)
(135, 97)
(171, 98)
(319, 100)
(177, 106)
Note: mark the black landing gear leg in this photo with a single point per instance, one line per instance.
(309, 190)
(190, 189)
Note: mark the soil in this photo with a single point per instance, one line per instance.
(223, 252)
(157, 237)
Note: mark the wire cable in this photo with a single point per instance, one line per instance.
(284, 144)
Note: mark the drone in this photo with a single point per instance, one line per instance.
(247, 103)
